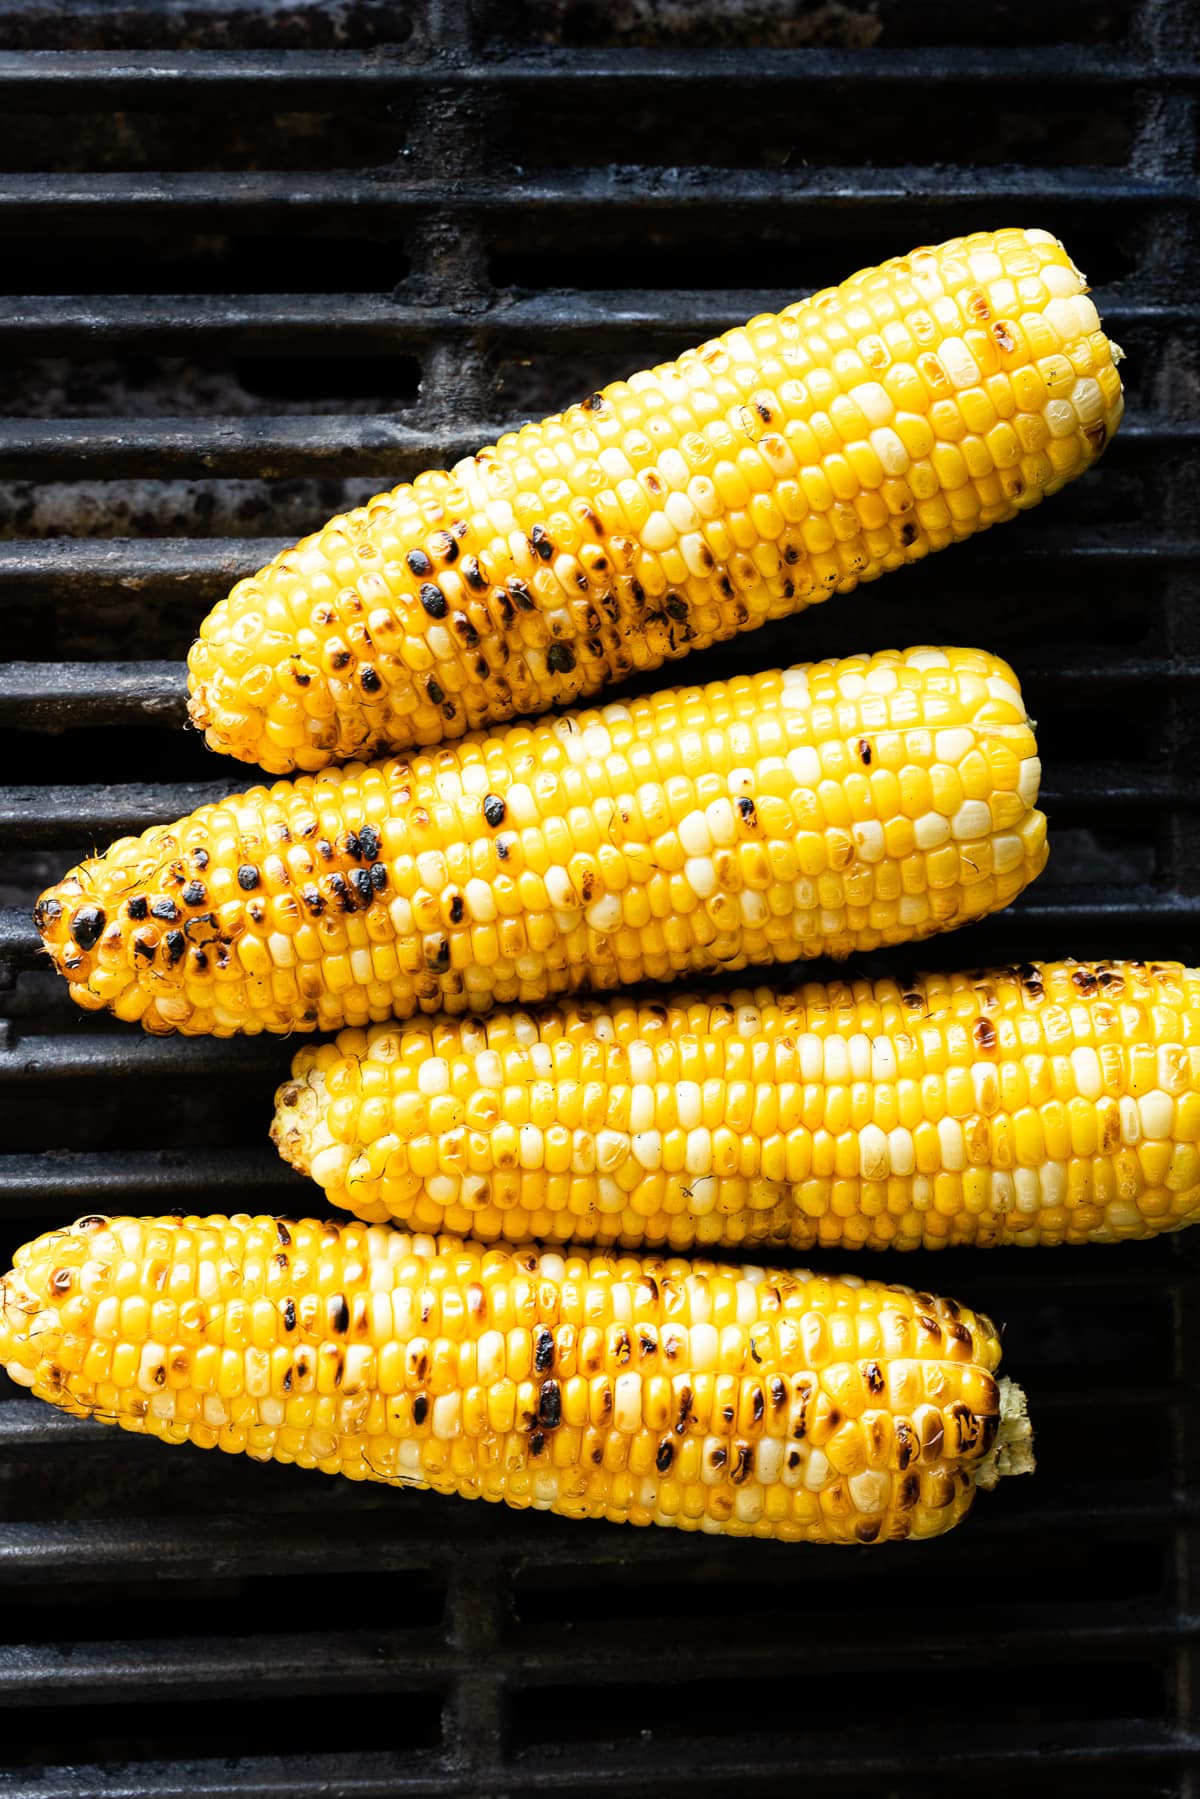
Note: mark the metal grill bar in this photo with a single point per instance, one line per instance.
(162, 1670)
(61, 81)
(243, 199)
(56, 566)
(45, 1057)
(1091, 1750)
(52, 696)
(421, 1530)
(376, 1775)
(144, 1181)
(338, 444)
(375, 321)
(60, 1183)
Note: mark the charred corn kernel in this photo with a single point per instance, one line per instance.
(845, 1411)
(745, 805)
(985, 1108)
(787, 460)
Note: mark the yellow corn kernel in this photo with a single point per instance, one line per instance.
(766, 774)
(826, 1392)
(972, 1097)
(800, 482)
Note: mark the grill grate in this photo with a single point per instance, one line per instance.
(230, 314)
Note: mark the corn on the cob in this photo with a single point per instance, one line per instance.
(916, 404)
(1054, 1103)
(725, 1399)
(822, 811)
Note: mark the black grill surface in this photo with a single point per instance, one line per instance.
(258, 255)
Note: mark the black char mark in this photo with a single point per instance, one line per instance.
(86, 926)
(550, 1405)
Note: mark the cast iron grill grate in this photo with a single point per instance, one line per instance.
(259, 256)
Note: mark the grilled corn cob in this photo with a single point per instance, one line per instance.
(1054, 1103)
(725, 1399)
(824, 810)
(916, 404)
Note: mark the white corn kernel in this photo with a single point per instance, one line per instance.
(701, 876)
(872, 1153)
(901, 1151)
(1131, 1122)
(695, 835)
(972, 820)
(433, 1076)
(627, 1403)
(930, 830)
(605, 915)
(869, 1490)
(1157, 1111)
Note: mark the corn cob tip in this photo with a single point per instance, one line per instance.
(77, 922)
(300, 1108)
(199, 711)
(301, 1132)
(1012, 1451)
(243, 732)
(30, 1327)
